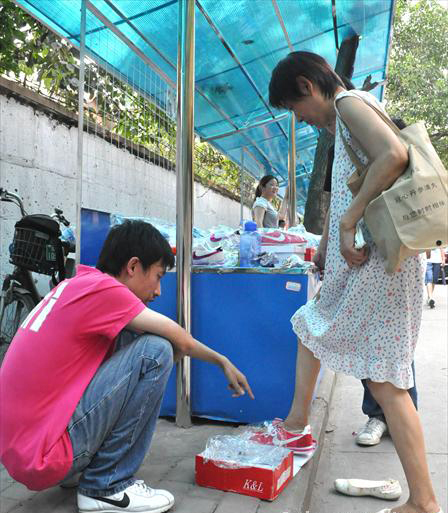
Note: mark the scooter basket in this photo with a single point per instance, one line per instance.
(36, 245)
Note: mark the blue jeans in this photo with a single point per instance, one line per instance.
(112, 426)
(371, 408)
(432, 273)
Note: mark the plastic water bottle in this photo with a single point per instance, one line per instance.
(250, 245)
(68, 235)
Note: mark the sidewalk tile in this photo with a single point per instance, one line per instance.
(233, 503)
(7, 505)
(195, 505)
(45, 502)
(18, 492)
(183, 471)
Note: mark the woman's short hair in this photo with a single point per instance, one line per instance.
(134, 238)
(283, 87)
(262, 183)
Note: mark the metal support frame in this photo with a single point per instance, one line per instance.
(126, 19)
(184, 194)
(258, 124)
(335, 24)
(136, 30)
(292, 207)
(98, 14)
(241, 187)
(235, 58)
(254, 158)
(282, 24)
(79, 170)
(389, 47)
(113, 27)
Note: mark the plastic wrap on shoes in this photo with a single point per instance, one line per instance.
(295, 261)
(274, 433)
(359, 237)
(268, 427)
(268, 260)
(239, 451)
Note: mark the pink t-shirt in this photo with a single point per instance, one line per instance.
(52, 359)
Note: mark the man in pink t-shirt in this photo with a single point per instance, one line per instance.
(83, 380)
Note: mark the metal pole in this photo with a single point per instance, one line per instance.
(82, 52)
(135, 49)
(241, 130)
(292, 207)
(184, 193)
(241, 187)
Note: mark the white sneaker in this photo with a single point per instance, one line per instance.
(372, 432)
(389, 490)
(137, 498)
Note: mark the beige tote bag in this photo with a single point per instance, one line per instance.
(412, 215)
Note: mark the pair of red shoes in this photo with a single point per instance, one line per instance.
(275, 434)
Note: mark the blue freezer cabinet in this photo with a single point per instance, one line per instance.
(246, 316)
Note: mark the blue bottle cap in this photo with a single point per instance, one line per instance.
(250, 226)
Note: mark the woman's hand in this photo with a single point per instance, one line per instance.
(354, 257)
(237, 380)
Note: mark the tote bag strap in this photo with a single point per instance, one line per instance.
(380, 113)
(351, 153)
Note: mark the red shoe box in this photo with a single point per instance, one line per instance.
(261, 482)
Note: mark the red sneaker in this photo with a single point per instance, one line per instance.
(276, 434)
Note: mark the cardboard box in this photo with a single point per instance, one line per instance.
(260, 482)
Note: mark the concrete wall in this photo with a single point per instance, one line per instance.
(38, 162)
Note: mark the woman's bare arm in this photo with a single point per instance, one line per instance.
(259, 213)
(388, 159)
(387, 156)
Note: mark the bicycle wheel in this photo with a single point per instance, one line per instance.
(14, 313)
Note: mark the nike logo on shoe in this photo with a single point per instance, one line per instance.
(123, 503)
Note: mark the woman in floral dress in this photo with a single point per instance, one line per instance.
(366, 322)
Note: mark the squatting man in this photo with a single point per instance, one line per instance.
(83, 380)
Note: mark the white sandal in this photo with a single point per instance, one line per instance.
(389, 490)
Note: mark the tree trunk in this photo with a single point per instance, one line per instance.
(318, 201)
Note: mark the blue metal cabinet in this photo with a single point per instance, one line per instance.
(247, 318)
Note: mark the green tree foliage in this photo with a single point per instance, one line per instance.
(31, 53)
(417, 88)
(35, 54)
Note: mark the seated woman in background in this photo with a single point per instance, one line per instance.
(263, 212)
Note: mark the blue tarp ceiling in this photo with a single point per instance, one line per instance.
(238, 43)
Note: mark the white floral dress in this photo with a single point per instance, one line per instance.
(365, 322)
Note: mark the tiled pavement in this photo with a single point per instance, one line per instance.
(170, 462)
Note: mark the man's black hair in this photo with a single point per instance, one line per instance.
(134, 239)
(283, 87)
